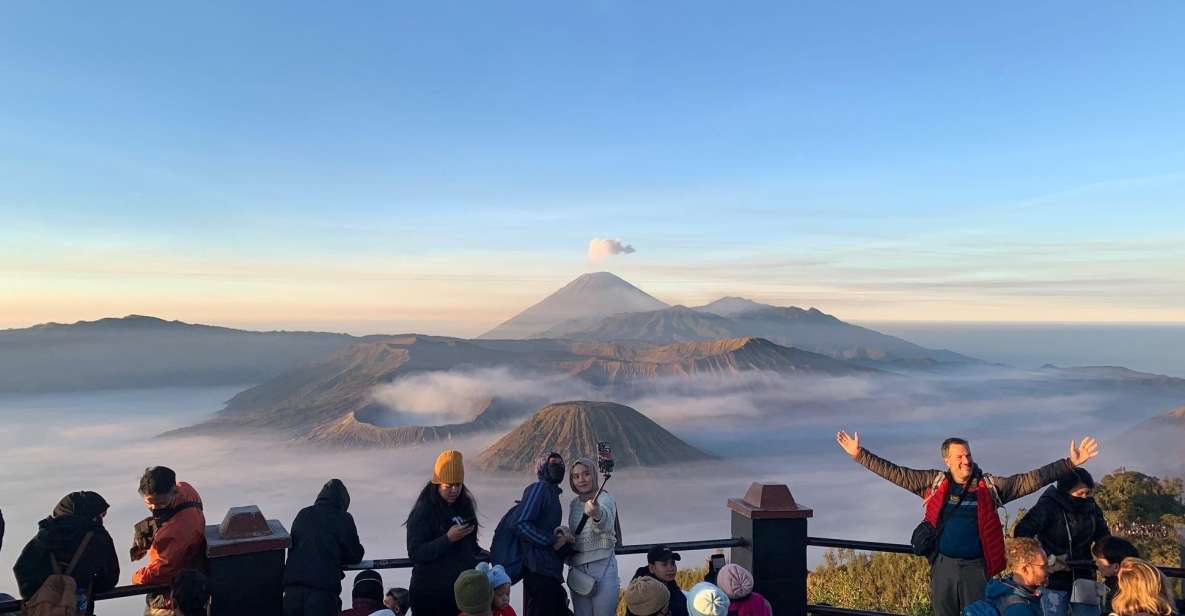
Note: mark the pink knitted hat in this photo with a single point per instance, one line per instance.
(735, 581)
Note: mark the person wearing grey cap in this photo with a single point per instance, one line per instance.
(663, 565)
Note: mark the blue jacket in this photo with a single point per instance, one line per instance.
(1012, 599)
(540, 513)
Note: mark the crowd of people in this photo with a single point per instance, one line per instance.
(1058, 549)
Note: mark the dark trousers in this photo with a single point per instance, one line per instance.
(955, 584)
(543, 595)
(301, 601)
(427, 603)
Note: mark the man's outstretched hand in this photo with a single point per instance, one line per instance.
(850, 444)
(1083, 451)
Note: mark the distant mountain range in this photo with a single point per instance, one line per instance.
(145, 352)
(333, 401)
(604, 307)
(572, 429)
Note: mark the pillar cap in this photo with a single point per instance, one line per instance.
(769, 501)
(244, 530)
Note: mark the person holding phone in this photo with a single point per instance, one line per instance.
(441, 538)
(592, 569)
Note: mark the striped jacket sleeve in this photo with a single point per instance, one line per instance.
(529, 511)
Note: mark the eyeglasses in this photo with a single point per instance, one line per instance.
(1042, 564)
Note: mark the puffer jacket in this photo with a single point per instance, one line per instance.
(324, 538)
(1065, 526)
(60, 535)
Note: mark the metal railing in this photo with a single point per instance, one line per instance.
(406, 563)
(640, 548)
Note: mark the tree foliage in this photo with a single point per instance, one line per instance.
(895, 583)
(1136, 497)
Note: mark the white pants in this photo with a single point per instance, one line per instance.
(603, 600)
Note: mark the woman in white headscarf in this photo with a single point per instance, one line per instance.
(592, 569)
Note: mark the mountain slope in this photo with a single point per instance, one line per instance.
(732, 317)
(141, 352)
(573, 429)
(333, 399)
(1155, 444)
(589, 297)
(678, 323)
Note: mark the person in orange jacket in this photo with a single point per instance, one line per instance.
(173, 538)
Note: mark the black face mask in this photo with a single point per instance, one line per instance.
(554, 472)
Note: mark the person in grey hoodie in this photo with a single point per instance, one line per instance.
(594, 559)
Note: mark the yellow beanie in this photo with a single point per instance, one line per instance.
(450, 468)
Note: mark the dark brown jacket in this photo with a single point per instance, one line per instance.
(1008, 488)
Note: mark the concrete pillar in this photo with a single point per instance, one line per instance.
(774, 526)
(246, 555)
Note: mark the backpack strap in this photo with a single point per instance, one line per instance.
(990, 482)
(934, 487)
(78, 554)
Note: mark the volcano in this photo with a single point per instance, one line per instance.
(574, 428)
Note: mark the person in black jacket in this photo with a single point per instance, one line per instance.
(442, 538)
(60, 535)
(662, 565)
(1067, 522)
(324, 538)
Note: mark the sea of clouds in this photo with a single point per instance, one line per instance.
(763, 427)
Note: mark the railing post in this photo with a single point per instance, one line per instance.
(775, 528)
(246, 555)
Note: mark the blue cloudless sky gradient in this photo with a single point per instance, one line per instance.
(943, 144)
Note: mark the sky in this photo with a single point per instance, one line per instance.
(393, 167)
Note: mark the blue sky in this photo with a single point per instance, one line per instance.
(379, 166)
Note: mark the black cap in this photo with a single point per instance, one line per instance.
(661, 553)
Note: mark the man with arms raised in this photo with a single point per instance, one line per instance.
(961, 502)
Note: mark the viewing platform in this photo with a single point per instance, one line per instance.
(769, 538)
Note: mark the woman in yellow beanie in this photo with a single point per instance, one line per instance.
(441, 537)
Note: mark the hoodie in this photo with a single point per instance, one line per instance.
(324, 538)
(540, 513)
(61, 534)
(1054, 521)
(1012, 599)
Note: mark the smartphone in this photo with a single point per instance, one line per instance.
(604, 457)
(460, 521)
(717, 562)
